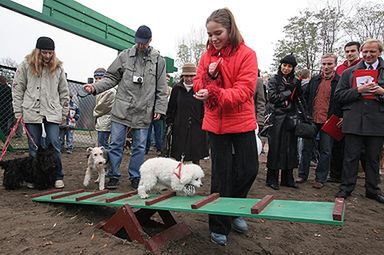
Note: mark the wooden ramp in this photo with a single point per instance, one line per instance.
(331, 213)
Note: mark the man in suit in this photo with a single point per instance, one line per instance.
(363, 121)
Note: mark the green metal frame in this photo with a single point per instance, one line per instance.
(78, 19)
(290, 210)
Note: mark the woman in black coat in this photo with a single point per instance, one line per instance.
(284, 90)
(185, 115)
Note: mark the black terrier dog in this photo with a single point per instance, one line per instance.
(40, 171)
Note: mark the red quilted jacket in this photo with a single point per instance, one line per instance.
(230, 106)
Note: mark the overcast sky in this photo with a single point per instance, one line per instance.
(260, 22)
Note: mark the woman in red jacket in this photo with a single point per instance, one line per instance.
(226, 81)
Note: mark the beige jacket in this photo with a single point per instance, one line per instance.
(38, 97)
(103, 108)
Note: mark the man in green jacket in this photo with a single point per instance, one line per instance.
(141, 97)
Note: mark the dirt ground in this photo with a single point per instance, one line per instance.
(38, 228)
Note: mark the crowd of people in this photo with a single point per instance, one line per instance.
(214, 111)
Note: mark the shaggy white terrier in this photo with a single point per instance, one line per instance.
(96, 162)
(157, 173)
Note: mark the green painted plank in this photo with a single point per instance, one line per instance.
(290, 210)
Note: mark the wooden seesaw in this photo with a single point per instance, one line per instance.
(135, 213)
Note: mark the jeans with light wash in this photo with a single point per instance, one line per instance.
(116, 147)
(66, 138)
(52, 137)
(103, 139)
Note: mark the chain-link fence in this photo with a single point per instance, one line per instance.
(84, 134)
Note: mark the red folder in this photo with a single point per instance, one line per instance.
(330, 127)
(362, 76)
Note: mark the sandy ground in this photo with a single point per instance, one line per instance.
(37, 228)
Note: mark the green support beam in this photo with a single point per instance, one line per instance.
(78, 19)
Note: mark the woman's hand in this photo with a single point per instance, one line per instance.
(202, 94)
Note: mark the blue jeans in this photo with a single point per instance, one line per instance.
(158, 127)
(52, 131)
(325, 150)
(103, 139)
(116, 147)
(66, 137)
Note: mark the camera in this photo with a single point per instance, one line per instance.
(137, 79)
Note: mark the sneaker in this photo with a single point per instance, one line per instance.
(239, 225)
(113, 183)
(59, 184)
(218, 239)
(135, 183)
(30, 185)
(69, 151)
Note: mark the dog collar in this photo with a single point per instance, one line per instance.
(178, 170)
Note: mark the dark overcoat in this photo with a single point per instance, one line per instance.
(282, 141)
(185, 113)
(361, 116)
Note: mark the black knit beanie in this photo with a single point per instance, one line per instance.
(45, 43)
(289, 59)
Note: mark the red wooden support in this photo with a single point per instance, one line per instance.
(68, 194)
(259, 206)
(161, 198)
(122, 196)
(133, 223)
(94, 194)
(205, 201)
(338, 209)
(48, 192)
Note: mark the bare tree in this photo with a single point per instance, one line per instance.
(9, 62)
(368, 22)
(191, 47)
(300, 38)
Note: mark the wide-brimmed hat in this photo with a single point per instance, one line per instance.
(188, 69)
(143, 35)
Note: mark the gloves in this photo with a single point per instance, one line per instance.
(18, 115)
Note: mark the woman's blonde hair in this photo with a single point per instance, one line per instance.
(225, 17)
(35, 60)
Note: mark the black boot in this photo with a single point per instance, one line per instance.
(287, 178)
(273, 179)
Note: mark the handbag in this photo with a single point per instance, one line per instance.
(305, 128)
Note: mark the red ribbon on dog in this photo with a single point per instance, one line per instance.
(178, 169)
(12, 133)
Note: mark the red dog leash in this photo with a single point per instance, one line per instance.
(178, 168)
(12, 133)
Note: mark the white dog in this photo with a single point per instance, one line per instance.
(165, 172)
(96, 162)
